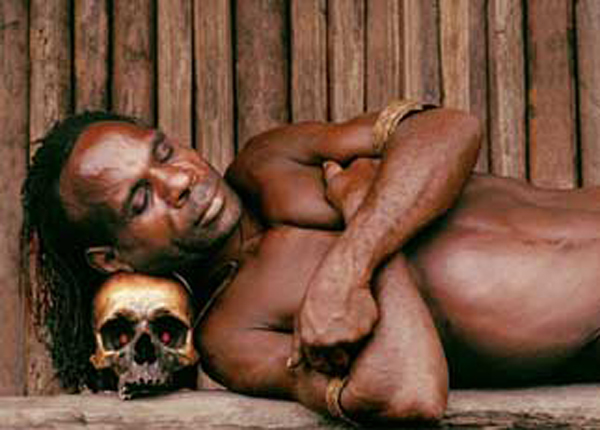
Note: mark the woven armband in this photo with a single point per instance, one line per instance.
(389, 118)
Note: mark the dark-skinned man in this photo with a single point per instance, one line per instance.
(339, 282)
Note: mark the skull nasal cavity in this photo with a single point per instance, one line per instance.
(144, 351)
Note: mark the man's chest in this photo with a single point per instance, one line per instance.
(272, 280)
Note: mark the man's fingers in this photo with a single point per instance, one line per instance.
(296, 353)
(330, 169)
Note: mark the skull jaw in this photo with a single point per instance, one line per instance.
(144, 380)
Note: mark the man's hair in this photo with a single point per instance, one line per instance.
(66, 283)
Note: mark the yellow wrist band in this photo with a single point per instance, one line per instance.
(389, 118)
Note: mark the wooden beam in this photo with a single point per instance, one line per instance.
(133, 77)
(50, 101)
(574, 406)
(14, 97)
(309, 60)
(422, 79)
(91, 55)
(384, 55)
(588, 57)
(174, 61)
(507, 88)
(261, 67)
(346, 47)
(214, 82)
(552, 149)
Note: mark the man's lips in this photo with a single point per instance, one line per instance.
(211, 209)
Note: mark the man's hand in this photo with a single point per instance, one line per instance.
(346, 188)
(338, 312)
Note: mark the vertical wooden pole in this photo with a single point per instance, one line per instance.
(50, 100)
(551, 106)
(14, 97)
(463, 56)
(309, 60)
(478, 76)
(175, 69)
(384, 55)
(91, 55)
(588, 56)
(454, 35)
(420, 40)
(507, 88)
(214, 81)
(261, 66)
(346, 58)
(133, 80)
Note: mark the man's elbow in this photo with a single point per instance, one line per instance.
(420, 406)
(407, 405)
(470, 130)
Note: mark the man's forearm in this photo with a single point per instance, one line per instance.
(424, 167)
(401, 372)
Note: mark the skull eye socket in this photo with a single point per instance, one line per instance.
(170, 331)
(117, 333)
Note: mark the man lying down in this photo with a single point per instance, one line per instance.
(357, 268)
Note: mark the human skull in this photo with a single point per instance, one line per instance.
(143, 331)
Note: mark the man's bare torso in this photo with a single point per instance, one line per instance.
(510, 275)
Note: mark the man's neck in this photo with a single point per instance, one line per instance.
(231, 254)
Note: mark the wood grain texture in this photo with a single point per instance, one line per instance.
(309, 60)
(174, 60)
(552, 154)
(261, 66)
(50, 59)
(214, 108)
(14, 87)
(420, 35)
(50, 101)
(455, 59)
(507, 88)
(346, 47)
(463, 62)
(384, 53)
(91, 55)
(588, 56)
(133, 80)
(563, 407)
(478, 76)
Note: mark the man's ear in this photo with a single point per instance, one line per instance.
(105, 259)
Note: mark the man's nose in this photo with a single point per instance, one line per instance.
(173, 184)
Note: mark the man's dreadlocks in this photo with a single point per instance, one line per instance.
(66, 281)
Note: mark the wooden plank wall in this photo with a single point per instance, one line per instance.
(215, 72)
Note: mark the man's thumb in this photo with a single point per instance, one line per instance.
(295, 354)
(330, 169)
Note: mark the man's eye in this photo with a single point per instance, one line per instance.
(163, 151)
(139, 202)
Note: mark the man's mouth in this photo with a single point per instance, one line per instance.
(212, 210)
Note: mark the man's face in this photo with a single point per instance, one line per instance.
(163, 204)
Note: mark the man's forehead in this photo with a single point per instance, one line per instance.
(106, 132)
(105, 140)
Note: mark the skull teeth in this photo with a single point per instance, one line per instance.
(141, 387)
